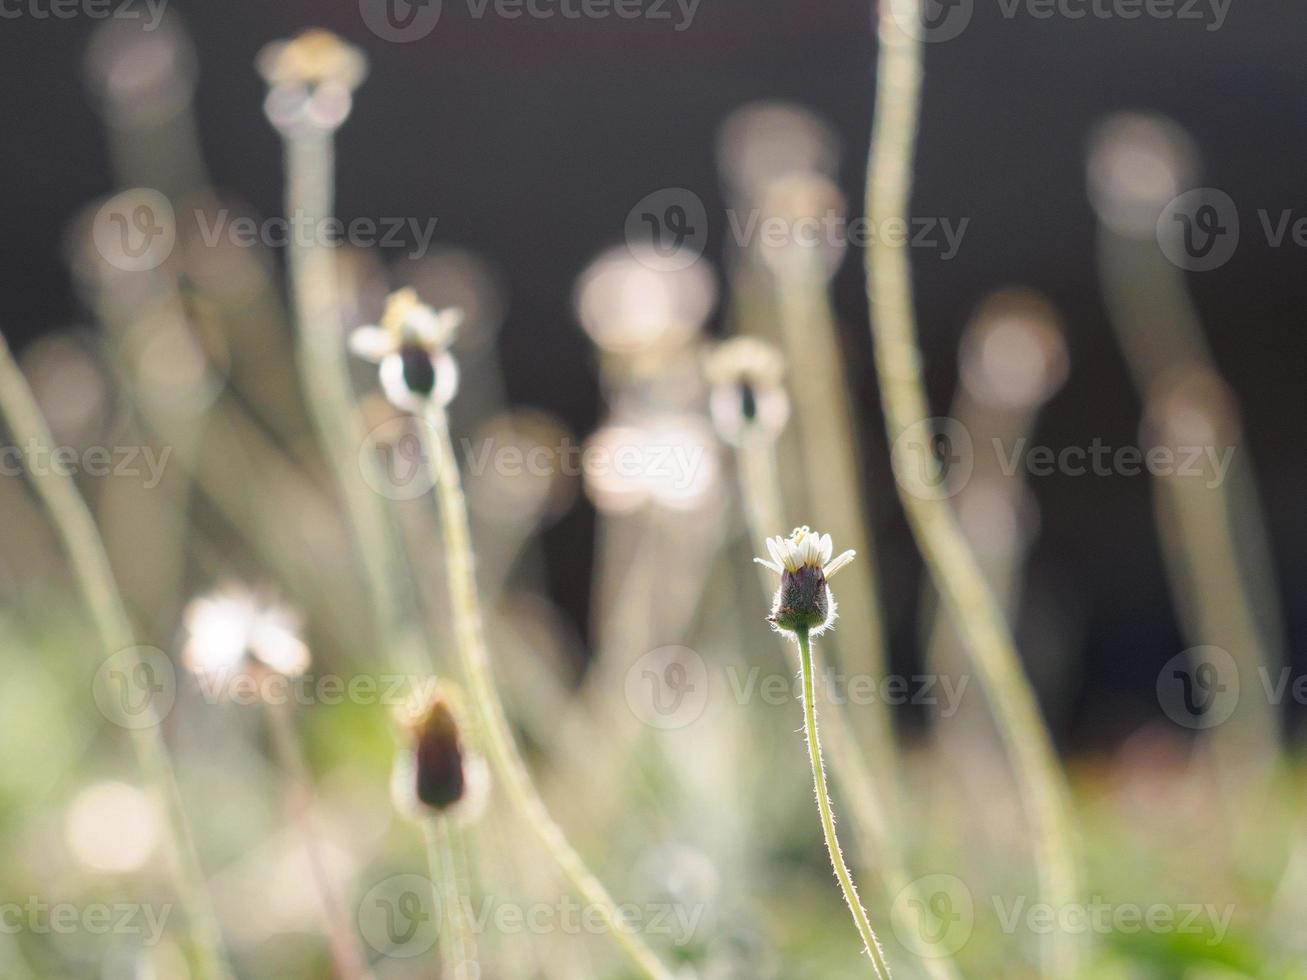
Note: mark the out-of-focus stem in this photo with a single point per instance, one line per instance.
(1214, 534)
(979, 618)
(76, 529)
(346, 953)
(458, 951)
(310, 162)
(842, 873)
(830, 453)
(469, 630)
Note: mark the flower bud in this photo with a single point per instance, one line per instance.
(435, 772)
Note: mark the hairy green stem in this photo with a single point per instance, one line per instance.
(953, 567)
(860, 919)
(508, 763)
(76, 528)
(759, 480)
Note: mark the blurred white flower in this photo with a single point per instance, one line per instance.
(230, 629)
(411, 345)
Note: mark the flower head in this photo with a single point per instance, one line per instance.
(310, 79)
(231, 630)
(412, 346)
(747, 401)
(313, 57)
(435, 772)
(804, 563)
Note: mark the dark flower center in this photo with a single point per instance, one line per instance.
(419, 372)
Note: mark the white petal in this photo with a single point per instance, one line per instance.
(776, 548)
(824, 549)
(396, 388)
(372, 343)
(839, 562)
(434, 329)
(770, 564)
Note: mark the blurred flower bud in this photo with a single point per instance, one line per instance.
(1137, 164)
(631, 307)
(763, 141)
(310, 79)
(435, 773)
(1012, 353)
(140, 74)
(747, 401)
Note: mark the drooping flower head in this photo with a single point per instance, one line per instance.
(412, 346)
(804, 563)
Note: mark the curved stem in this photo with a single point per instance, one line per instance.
(508, 763)
(860, 919)
(75, 526)
(953, 567)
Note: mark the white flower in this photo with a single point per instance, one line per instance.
(804, 547)
(231, 629)
(803, 561)
(411, 345)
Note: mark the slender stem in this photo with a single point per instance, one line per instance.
(503, 752)
(953, 567)
(860, 919)
(346, 954)
(324, 370)
(76, 528)
(758, 482)
(458, 951)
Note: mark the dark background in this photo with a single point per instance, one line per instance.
(531, 139)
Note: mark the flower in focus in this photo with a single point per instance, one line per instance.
(804, 563)
(435, 773)
(747, 401)
(412, 346)
(231, 630)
